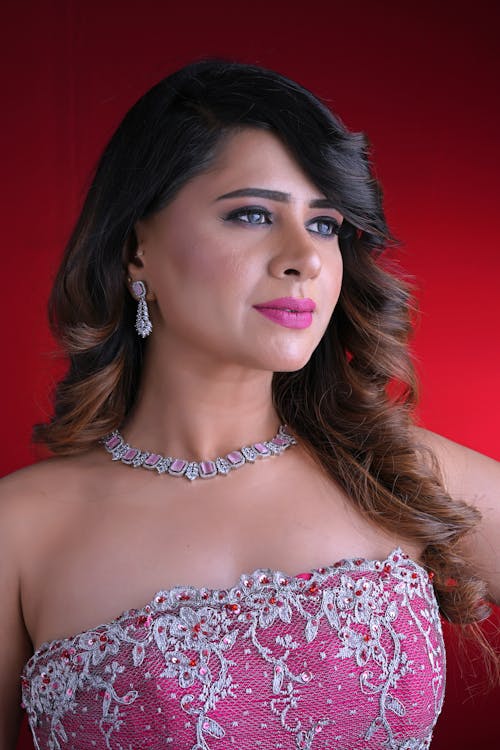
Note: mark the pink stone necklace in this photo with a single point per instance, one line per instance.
(178, 467)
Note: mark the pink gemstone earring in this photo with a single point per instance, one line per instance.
(143, 324)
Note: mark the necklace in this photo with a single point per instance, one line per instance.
(120, 450)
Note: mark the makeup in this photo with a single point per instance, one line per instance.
(290, 312)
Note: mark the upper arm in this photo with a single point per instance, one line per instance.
(15, 644)
(475, 479)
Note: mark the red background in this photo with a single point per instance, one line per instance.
(421, 80)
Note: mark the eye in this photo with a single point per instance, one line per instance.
(324, 226)
(250, 215)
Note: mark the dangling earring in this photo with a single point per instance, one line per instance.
(143, 324)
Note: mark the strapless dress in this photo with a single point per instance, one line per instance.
(342, 657)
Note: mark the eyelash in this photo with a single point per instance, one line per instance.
(239, 212)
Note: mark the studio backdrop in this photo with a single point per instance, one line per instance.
(422, 83)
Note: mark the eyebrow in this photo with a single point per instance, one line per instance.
(275, 195)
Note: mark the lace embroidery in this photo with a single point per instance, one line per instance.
(281, 637)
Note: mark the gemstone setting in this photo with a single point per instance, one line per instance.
(120, 450)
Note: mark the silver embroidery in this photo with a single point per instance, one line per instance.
(286, 623)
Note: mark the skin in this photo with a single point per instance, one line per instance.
(204, 272)
(82, 539)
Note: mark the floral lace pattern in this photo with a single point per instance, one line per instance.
(347, 656)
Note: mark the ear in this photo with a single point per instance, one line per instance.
(132, 255)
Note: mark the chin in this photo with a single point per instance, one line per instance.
(292, 367)
(279, 357)
(291, 362)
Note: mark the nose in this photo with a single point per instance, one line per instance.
(295, 254)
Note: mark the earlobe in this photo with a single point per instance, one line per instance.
(133, 254)
(134, 279)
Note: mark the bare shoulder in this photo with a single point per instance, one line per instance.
(467, 474)
(474, 478)
(24, 514)
(32, 499)
(31, 488)
(45, 478)
(45, 470)
(28, 478)
(22, 492)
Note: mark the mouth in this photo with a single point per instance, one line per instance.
(295, 305)
(290, 312)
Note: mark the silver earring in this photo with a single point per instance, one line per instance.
(143, 324)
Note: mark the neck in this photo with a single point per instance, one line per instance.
(200, 413)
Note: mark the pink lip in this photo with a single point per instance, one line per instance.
(291, 312)
(297, 304)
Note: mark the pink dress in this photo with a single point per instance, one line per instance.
(347, 656)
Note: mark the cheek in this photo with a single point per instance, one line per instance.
(198, 264)
(188, 261)
(203, 257)
(335, 272)
(221, 275)
(332, 283)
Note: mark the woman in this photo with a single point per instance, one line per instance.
(223, 285)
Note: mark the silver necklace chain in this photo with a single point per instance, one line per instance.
(120, 450)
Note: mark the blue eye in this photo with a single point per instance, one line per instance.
(251, 215)
(326, 226)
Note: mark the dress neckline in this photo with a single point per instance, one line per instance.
(259, 577)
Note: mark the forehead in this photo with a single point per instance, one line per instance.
(252, 157)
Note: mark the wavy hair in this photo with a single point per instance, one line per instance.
(352, 404)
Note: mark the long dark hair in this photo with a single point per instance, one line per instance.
(351, 404)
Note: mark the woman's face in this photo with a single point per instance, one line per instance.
(252, 230)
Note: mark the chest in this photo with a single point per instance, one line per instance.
(352, 651)
(109, 553)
